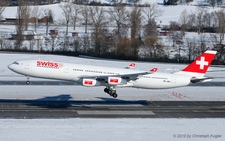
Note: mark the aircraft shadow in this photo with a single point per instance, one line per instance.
(65, 101)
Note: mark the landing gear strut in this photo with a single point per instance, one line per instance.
(111, 91)
(28, 82)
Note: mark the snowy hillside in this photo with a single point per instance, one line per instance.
(171, 13)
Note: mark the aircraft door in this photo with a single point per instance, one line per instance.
(27, 65)
(66, 69)
(173, 79)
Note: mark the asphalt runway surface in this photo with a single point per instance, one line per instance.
(19, 82)
(110, 108)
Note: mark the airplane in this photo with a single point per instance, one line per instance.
(110, 77)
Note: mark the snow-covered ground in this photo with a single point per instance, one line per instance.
(112, 129)
(136, 129)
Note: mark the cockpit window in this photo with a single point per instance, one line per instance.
(16, 63)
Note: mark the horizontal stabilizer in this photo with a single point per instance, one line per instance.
(205, 79)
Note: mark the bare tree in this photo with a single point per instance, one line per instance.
(135, 22)
(74, 14)
(48, 15)
(218, 40)
(135, 19)
(220, 56)
(153, 49)
(200, 12)
(219, 47)
(99, 20)
(2, 38)
(191, 48)
(85, 16)
(67, 10)
(65, 43)
(207, 20)
(175, 34)
(36, 13)
(150, 29)
(124, 50)
(183, 21)
(192, 21)
(20, 24)
(5, 43)
(213, 2)
(75, 43)
(2, 8)
(220, 24)
(32, 43)
(152, 12)
(53, 41)
(27, 13)
(86, 43)
(115, 2)
(119, 15)
(202, 43)
(213, 19)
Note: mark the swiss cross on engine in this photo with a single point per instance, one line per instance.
(114, 80)
(88, 82)
(202, 63)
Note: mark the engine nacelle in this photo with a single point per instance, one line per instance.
(90, 82)
(116, 81)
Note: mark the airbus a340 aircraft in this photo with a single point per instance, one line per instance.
(111, 78)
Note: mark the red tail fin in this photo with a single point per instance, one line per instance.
(201, 64)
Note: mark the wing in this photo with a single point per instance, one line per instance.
(112, 80)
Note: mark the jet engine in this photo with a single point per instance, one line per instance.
(90, 82)
(116, 81)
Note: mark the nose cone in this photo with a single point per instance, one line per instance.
(10, 67)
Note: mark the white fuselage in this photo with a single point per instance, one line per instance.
(75, 72)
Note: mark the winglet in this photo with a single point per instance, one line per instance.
(200, 65)
(131, 66)
(153, 70)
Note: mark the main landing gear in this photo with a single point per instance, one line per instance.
(28, 82)
(111, 91)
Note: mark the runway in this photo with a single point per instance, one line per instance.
(110, 108)
(50, 82)
(59, 103)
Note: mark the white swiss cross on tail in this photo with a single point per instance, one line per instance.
(200, 65)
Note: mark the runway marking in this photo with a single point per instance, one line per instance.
(105, 105)
(106, 112)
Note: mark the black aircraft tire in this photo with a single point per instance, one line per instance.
(114, 95)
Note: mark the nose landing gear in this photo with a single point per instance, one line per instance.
(28, 82)
(111, 91)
